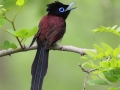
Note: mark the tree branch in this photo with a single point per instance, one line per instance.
(80, 51)
(58, 47)
(87, 74)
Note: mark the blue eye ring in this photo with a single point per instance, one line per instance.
(61, 9)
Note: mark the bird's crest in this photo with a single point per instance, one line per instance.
(53, 5)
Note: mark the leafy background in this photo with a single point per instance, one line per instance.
(63, 72)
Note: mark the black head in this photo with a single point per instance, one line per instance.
(59, 9)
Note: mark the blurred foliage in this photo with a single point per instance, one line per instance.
(108, 67)
(63, 72)
(115, 30)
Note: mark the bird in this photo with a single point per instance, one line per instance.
(51, 29)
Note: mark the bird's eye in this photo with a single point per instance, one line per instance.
(61, 9)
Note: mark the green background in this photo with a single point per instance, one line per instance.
(63, 70)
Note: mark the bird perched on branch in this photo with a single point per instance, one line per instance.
(51, 29)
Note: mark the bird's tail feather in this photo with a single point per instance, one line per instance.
(39, 67)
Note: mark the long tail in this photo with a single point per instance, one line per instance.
(39, 67)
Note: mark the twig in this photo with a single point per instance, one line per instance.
(12, 22)
(13, 25)
(87, 74)
(17, 13)
(7, 19)
(85, 80)
(59, 47)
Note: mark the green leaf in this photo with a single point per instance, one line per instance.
(21, 33)
(118, 29)
(94, 77)
(105, 64)
(96, 66)
(101, 75)
(13, 46)
(109, 75)
(31, 32)
(97, 72)
(116, 52)
(116, 71)
(99, 49)
(114, 27)
(25, 33)
(106, 46)
(108, 49)
(118, 62)
(95, 31)
(3, 10)
(97, 82)
(84, 58)
(101, 55)
(11, 31)
(113, 63)
(91, 64)
(107, 29)
(92, 54)
(109, 52)
(6, 44)
(20, 2)
(86, 63)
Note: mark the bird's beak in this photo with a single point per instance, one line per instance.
(69, 7)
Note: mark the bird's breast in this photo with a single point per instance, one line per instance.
(52, 29)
